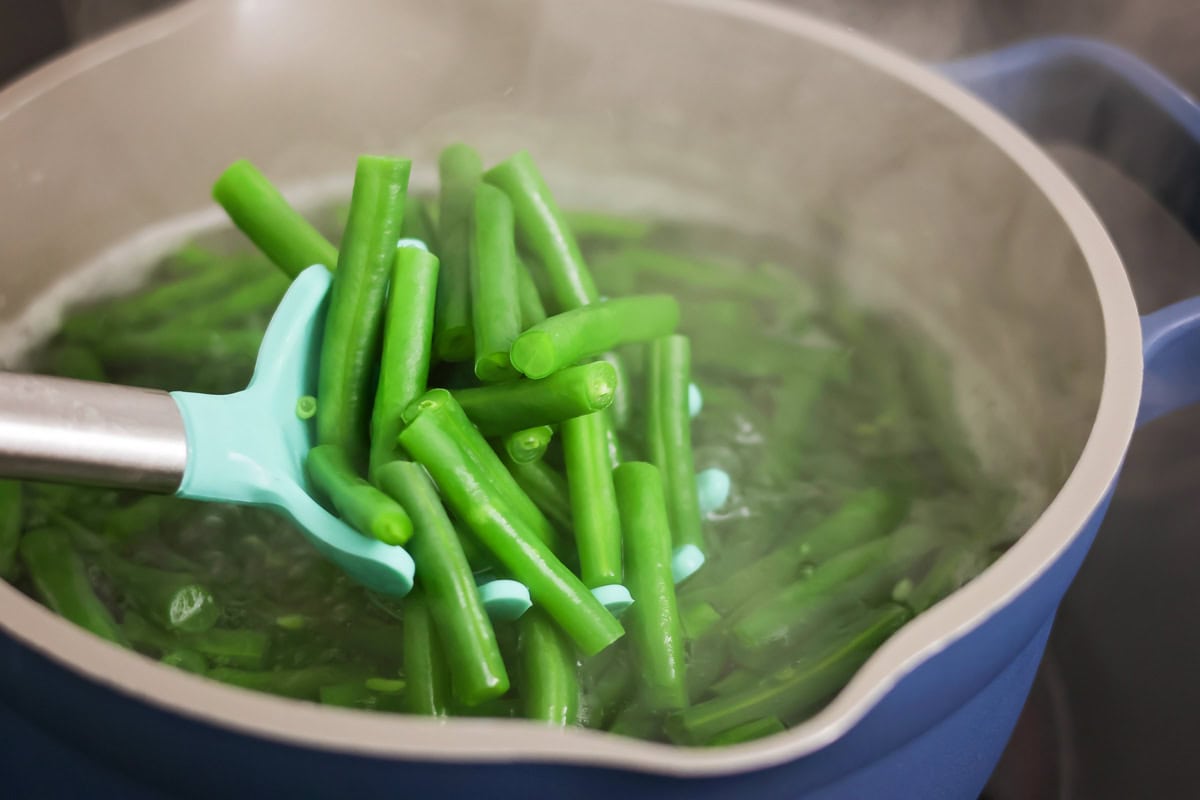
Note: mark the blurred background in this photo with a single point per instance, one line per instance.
(1116, 709)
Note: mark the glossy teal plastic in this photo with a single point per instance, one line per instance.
(249, 447)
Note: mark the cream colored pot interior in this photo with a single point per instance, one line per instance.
(913, 192)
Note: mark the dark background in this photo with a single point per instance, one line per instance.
(1116, 711)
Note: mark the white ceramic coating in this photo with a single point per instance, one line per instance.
(209, 50)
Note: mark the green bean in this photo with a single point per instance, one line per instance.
(669, 436)
(186, 660)
(542, 230)
(476, 668)
(424, 660)
(571, 336)
(862, 575)
(654, 623)
(549, 673)
(495, 307)
(11, 516)
(407, 345)
(931, 386)
(255, 296)
(61, 582)
(755, 729)
(437, 443)
(698, 619)
(865, 515)
(300, 684)
(668, 271)
(529, 445)
(947, 573)
(236, 648)
(606, 227)
(172, 344)
(484, 459)
(545, 487)
(796, 689)
(635, 722)
(597, 522)
(176, 600)
(78, 362)
(363, 506)
(503, 707)
(146, 514)
(710, 657)
(518, 405)
(459, 172)
(417, 223)
(351, 344)
(353, 694)
(532, 309)
(261, 212)
(621, 408)
(153, 305)
(615, 684)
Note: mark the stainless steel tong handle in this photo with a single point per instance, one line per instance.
(63, 430)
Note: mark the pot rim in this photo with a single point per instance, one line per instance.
(502, 740)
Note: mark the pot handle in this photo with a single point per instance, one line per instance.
(1109, 102)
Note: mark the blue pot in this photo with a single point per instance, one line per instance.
(927, 198)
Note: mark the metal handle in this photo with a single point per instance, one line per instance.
(56, 429)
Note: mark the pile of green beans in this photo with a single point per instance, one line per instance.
(565, 399)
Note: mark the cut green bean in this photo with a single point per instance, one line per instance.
(621, 408)
(865, 515)
(542, 230)
(147, 514)
(571, 336)
(11, 517)
(532, 309)
(351, 344)
(529, 445)
(363, 506)
(417, 223)
(407, 345)
(794, 690)
(606, 227)
(155, 305)
(459, 172)
(172, 344)
(549, 671)
(300, 684)
(615, 685)
(186, 660)
(865, 574)
(748, 732)
(495, 304)
(175, 600)
(428, 690)
(437, 443)
(669, 436)
(594, 514)
(698, 619)
(441, 403)
(254, 297)
(546, 487)
(61, 582)
(517, 405)
(654, 623)
(476, 668)
(261, 212)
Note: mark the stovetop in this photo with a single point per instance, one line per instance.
(1115, 710)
